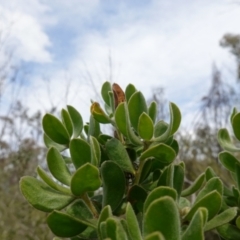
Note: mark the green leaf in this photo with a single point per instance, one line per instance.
(114, 184)
(228, 161)
(178, 179)
(95, 151)
(152, 111)
(225, 141)
(145, 127)
(160, 128)
(137, 196)
(51, 183)
(63, 225)
(212, 202)
(117, 153)
(57, 166)
(238, 222)
(112, 101)
(111, 226)
(235, 125)
(229, 232)
(234, 112)
(103, 138)
(161, 152)
(221, 219)
(209, 173)
(174, 145)
(145, 170)
(55, 130)
(120, 119)
(130, 90)
(94, 128)
(123, 124)
(104, 215)
(132, 222)
(175, 120)
(158, 193)
(41, 196)
(79, 210)
(77, 121)
(162, 215)
(125, 227)
(85, 179)
(195, 229)
(115, 230)
(106, 87)
(136, 106)
(213, 184)
(67, 121)
(103, 231)
(166, 177)
(80, 152)
(50, 143)
(155, 236)
(196, 185)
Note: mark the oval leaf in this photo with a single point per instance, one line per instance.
(117, 153)
(106, 87)
(112, 176)
(132, 223)
(195, 229)
(221, 219)
(152, 111)
(41, 196)
(136, 106)
(80, 152)
(159, 192)
(77, 120)
(104, 215)
(212, 202)
(145, 127)
(95, 151)
(130, 90)
(57, 166)
(162, 215)
(213, 184)
(51, 183)
(175, 120)
(67, 121)
(63, 225)
(85, 179)
(50, 143)
(228, 161)
(55, 130)
(229, 232)
(197, 184)
(225, 141)
(236, 125)
(161, 152)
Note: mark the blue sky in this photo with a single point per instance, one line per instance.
(151, 43)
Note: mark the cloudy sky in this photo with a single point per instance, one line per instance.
(65, 47)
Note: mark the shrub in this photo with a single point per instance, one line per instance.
(127, 185)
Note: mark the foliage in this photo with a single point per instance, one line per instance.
(128, 186)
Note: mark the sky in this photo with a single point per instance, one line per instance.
(67, 49)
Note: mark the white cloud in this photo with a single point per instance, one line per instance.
(170, 44)
(21, 23)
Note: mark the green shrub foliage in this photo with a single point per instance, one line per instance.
(128, 185)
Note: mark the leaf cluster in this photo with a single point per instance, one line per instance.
(128, 186)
